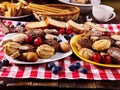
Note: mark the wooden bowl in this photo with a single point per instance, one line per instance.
(60, 12)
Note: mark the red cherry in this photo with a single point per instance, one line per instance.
(106, 33)
(96, 57)
(38, 41)
(28, 39)
(106, 59)
(68, 31)
(62, 31)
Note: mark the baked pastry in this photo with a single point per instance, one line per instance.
(115, 37)
(86, 53)
(50, 36)
(55, 23)
(28, 56)
(83, 42)
(51, 31)
(64, 47)
(27, 48)
(35, 33)
(45, 51)
(11, 47)
(78, 28)
(108, 38)
(117, 43)
(19, 37)
(114, 52)
(53, 43)
(36, 25)
(101, 45)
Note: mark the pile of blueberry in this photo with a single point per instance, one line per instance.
(55, 69)
(4, 62)
(77, 66)
(74, 66)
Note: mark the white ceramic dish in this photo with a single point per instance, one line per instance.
(83, 7)
(56, 56)
(15, 18)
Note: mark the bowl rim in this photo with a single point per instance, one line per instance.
(76, 11)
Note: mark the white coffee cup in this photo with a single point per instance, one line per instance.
(103, 13)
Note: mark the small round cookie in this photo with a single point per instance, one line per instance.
(45, 51)
(19, 37)
(84, 42)
(64, 46)
(115, 37)
(101, 45)
(86, 53)
(11, 47)
(30, 56)
(53, 43)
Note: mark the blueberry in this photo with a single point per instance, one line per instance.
(22, 25)
(19, 23)
(83, 70)
(77, 65)
(51, 65)
(71, 67)
(66, 37)
(55, 70)
(59, 68)
(59, 41)
(5, 62)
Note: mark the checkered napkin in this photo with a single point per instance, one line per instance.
(40, 71)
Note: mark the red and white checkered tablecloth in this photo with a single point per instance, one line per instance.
(40, 71)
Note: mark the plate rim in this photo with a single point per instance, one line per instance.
(17, 17)
(67, 2)
(37, 62)
(75, 51)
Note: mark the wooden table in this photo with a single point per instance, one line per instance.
(64, 83)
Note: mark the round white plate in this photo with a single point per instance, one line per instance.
(14, 18)
(83, 7)
(56, 56)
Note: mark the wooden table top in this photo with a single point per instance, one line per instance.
(64, 83)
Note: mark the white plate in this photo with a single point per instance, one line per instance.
(56, 56)
(14, 18)
(83, 7)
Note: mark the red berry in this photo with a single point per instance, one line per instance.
(28, 39)
(106, 59)
(96, 57)
(106, 33)
(62, 31)
(68, 31)
(38, 41)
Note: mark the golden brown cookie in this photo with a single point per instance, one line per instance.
(64, 46)
(19, 37)
(11, 47)
(45, 51)
(86, 53)
(101, 45)
(30, 56)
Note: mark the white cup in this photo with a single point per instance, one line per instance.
(103, 13)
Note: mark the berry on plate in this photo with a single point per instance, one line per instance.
(96, 57)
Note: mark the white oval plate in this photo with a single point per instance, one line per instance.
(93, 3)
(83, 7)
(56, 56)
